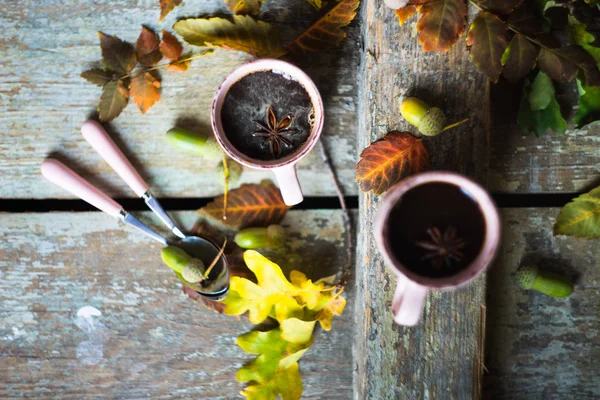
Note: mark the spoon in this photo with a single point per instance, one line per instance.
(217, 284)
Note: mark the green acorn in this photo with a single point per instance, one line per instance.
(190, 268)
(261, 238)
(429, 120)
(194, 143)
(551, 284)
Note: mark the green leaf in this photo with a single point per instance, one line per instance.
(113, 100)
(244, 34)
(97, 76)
(287, 383)
(579, 35)
(488, 40)
(539, 121)
(117, 55)
(519, 58)
(581, 217)
(589, 105)
(541, 92)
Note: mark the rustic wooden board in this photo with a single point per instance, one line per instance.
(527, 164)
(540, 347)
(158, 343)
(441, 357)
(44, 47)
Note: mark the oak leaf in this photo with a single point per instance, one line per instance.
(580, 217)
(117, 55)
(441, 23)
(244, 34)
(519, 58)
(327, 32)
(249, 205)
(147, 50)
(244, 7)
(286, 383)
(388, 160)
(97, 76)
(170, 46)
(405, 13)
(144, 89)
(166, 6)
(488, 40)
(334, 306)
(113, 100)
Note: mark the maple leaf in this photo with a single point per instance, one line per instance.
(244, 7)
(488, 40)
(244, 34)
(170, 46)
(147, 50)
(499, 6)
(580, 217)
(519, 58)
(166, 6)
(562, 63)
(405, 13)
(113, 100)
(97, 76)
(388, 160)
(441, 24)
(327, 31)
(249, 205)
(144, 89)
(117, 55)
(589, 105)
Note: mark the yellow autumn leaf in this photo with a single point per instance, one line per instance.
(244, 34)
(294, 330)
(309, 293)
(334, 306)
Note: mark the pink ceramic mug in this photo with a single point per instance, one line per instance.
(284, 168)
(412, 288)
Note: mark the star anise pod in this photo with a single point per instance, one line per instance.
(443, 248)
(274, 131)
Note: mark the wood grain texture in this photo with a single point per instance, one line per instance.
(440, 358)
(44, 47)
(527, 164)
(540, 347)
(159, 344)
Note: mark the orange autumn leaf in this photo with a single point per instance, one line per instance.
(405, 13)
(144, 89)
(170, 46)
(388, 160)
(327, 31)
(147, 51)
(249, 205)
(166, 6)
(441, 24)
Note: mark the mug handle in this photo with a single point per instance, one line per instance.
(408, 302)
(288, 184)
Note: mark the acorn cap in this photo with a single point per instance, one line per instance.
(193, 270)
(212, 150)
(526, 276)
(433, 122)
(276, 234)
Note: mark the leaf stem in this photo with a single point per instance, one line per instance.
(216, 259)
(165, 65)
(454, 124)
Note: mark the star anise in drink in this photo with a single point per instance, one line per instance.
(443, 248)
(274, 131)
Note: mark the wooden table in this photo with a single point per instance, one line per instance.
(489, 339)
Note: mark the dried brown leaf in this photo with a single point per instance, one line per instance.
(97, 76)
(488, 40)
(144, 89)
(499, 6)
(441, 24)
(562, 63)
(388, 160)
(113, 100)
(327, 32)
(519, 58)
(117, 55)
(249, 205)
(170, 46)
(147, 50)
(166, 6)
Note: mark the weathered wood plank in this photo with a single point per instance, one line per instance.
(159, 343)
(527, 164)
(539, 347)
(44, 47)
(440, 357)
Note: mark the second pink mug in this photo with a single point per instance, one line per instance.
(412, 286)
(284, 168)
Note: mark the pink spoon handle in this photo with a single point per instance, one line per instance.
(59, 174)
(97, 137)
(288, 184)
